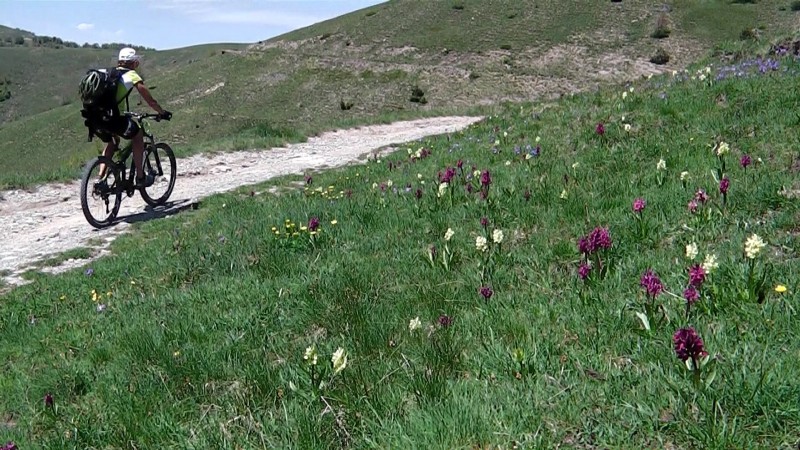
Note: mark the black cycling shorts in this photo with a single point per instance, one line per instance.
(122, 126)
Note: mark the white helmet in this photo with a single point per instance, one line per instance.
(128, 54)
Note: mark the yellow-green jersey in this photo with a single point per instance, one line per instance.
(128, 80)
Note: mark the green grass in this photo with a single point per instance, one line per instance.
(207, 315)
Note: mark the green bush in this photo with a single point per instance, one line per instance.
(661, 57)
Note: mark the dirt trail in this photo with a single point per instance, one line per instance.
(49, 221)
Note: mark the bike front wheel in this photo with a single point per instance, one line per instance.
(101, 194)
(159, 162)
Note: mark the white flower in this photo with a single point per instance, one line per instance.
(624, 94)
(528, 156)
(481, 243)
(310, 355)
(537, 139)
(684, 176)
(448, 234)
(710, 263)
(339, 360)
(419, 176)
(723, 148)
(389, 183)
(575, 165)
(753, 246)
(374, 185)
(702, 77)
(497, 236)
(691, 251)
(627, 127)
(442, 189)
(631, 89)
(662, 165)
(563, 195)
(476, 173)
(414, 324)
(508, 163)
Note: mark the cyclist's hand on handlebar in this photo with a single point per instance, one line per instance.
(166, 115)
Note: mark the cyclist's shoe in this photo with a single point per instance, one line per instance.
(145, 182)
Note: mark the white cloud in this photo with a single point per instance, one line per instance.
(85, 26)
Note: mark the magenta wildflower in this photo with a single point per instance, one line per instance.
(460, 164)
(418, 194)
(48, 400)
(692, 206)
(688, 344)
(447, 176)
(313, 224)
(486, 292)
(484, 222)
(584, 270)
(486, 178)
(638, 205)
(584, 246)
(527, 194)
(600, 129)
(724, 185)
(701, 196)
(697, 275)
(691, 295)
(600, 238)
(445, 320)
(745, 161)
(10, 445)
(651, 283)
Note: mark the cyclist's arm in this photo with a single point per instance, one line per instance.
(145, 93)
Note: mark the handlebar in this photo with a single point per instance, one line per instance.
(140, 116)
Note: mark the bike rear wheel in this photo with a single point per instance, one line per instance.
(101, 198)
(159, 161)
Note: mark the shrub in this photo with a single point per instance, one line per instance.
(458, 6)
(795, 5)
(750, 34)
(505, 47)
(661, 57)
(662, 27)
(418, 96)
(345, 106)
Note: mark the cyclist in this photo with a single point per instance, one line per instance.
(124, 126)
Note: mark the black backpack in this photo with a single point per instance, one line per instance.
(98, 92)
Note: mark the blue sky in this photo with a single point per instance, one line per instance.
(165, 24)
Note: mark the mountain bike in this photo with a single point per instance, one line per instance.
(104, 179)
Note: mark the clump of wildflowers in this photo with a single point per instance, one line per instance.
(638, 205)
(651, 284)
(591, 245)
(689, 346)
(753, 246)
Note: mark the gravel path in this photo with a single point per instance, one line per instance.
(48, 220)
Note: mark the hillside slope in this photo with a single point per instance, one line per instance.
(397, 59)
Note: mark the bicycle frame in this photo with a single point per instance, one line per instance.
(129, 173)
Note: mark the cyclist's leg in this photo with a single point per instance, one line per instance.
(110, 141)
(138, 156)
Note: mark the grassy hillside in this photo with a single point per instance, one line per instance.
(397, 59)
(453, 277)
